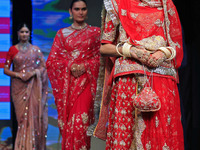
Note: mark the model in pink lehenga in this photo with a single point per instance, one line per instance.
(29, 91)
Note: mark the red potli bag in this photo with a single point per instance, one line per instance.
(147, 100)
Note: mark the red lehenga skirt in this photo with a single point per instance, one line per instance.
(161, 130)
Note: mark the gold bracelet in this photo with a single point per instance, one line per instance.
(166, 51)
(173, 53)
(118, 50)
(126, 50)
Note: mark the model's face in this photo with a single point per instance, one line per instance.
(79, 11)
(24, 34)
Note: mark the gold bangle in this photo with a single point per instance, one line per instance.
(166, 51)
(118, 50)
(126, 50)
(173, 53)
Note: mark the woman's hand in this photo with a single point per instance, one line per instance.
(144, 56)
(25, 76)
(37, 73)
(156, 59)
(77, 70)
(141, 54)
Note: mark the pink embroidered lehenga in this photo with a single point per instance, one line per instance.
(74, 96)
(150, 24)
(29, 98)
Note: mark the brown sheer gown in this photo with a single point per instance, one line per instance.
(29, 98)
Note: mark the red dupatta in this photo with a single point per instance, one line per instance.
(80, 46)
(143, 19)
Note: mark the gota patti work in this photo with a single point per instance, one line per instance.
(74, 97)
(29, 98)
(150, 24)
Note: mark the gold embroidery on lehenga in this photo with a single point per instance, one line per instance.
(157, 122)
(83, 148)
(148, 145)
(169, 120)
(123, 12)
(138, 133)
(122, 143)
(84, 117)
(159, 23)
(165, 147)
(153, 42)
(142, 4)
(171, 43)
(171, 11)
(134, 15)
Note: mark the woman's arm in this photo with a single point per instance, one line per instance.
(109, 50)
(139, 54)
(10, 73)
(22, 76)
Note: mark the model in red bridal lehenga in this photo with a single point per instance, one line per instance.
(145, 25)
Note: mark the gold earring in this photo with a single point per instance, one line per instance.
(71, 17)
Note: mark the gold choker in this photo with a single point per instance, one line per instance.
(78, 27)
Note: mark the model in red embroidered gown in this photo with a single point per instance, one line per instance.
(146, 25)
(74, 95)
(29, 89)
(73, 66)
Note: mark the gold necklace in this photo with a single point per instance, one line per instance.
(78, 27)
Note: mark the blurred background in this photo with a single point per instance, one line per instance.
(45, 17)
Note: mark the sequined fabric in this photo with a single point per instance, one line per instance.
(30, 99)
(74, 97)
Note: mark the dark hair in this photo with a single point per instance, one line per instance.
(21, 25)
(74, 1)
